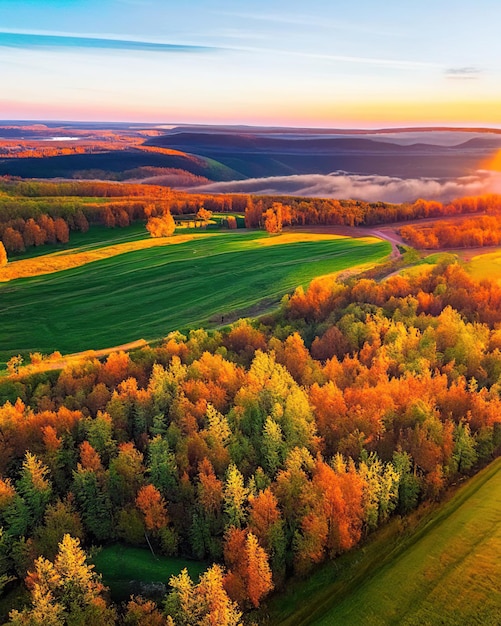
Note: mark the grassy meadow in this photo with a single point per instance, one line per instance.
(150, 291)
(486, 266)
(480, 264)
(444, 569)
(122, 566)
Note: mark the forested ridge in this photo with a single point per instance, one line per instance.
(264, 448)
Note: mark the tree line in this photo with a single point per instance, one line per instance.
(24, 205)
(468, 233)
(317, 211)
(34, 213)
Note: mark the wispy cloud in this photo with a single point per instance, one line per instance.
(42, 39)
(12, 39)
(372, 188)
(228, 33)
(316, 21)
(463, 73)
(342, 58)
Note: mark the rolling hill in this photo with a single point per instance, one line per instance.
(151, 291)
(258, 155)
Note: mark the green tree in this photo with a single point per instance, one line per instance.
(273, 445)
(34, 488)
(60, 519)
(464, 455)
(235, 497)
(162, 468)
(126, 474)
(99, 434)
(94, 502)
(381, 482)
(408, 486)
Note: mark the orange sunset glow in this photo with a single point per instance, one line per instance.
(359, 64)
(493, 163)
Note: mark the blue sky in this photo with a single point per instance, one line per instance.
(316, 63)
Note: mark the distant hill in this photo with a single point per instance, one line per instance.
(222, 142)
(114, 161)
(255, 154)
(226, 153)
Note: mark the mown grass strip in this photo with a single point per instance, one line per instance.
(68, 259)
(443, 569)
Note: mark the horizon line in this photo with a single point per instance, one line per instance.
(438, 127)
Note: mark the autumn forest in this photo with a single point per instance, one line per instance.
(260, 448)
(250, 313)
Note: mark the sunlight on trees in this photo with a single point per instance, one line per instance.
(163, 226)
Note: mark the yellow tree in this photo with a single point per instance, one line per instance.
(35, 488)
(161, 226)
(67, 591)
(14, 364)
(203, 214)
(205, 604)
(45, 609)
(3, 255)
(235, 496)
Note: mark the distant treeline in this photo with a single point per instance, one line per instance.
(479, 231)
(27, 209)
(41, 152)
(33, 213)
(313, 211)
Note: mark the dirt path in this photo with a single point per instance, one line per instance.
(359, 231)
(389, 232)
(63, 361)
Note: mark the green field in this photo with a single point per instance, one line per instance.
(484, 266)
(123, 566)
(148, 293)
(95, 237)
(444, 570)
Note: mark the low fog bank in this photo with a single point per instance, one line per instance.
(371, 188)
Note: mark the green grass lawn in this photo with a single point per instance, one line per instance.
(148, 293)
(121, 565)
(444, 570)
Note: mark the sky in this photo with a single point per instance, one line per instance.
(316, 63)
